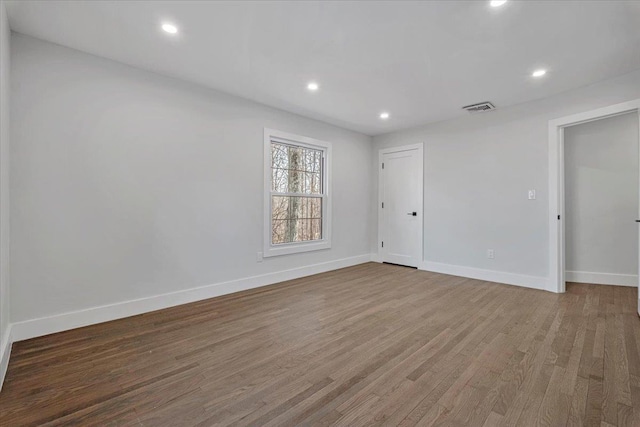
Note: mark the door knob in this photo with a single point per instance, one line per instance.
(416, 214)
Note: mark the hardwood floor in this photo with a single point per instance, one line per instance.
(371, 344)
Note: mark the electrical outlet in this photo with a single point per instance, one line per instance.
(259, 257)
(490, 254)
(532, 194)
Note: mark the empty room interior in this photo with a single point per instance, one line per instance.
(300, 213)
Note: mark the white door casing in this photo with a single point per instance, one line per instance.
(400, 205)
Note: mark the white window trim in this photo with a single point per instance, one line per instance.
(270, 250)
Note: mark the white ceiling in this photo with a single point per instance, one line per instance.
(421, 61)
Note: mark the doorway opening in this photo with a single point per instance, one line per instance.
(601, 201)
(557, 178)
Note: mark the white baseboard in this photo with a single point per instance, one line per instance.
(534, 282)
(5, 353)
(601, 278)
(76, 319)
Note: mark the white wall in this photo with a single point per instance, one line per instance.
(478, 170)
(601, 200)
(127, 184)
(5, 34)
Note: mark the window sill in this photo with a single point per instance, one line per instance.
(294, 248)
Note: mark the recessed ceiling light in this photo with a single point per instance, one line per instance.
(313, 86)
(384, 116)
(169, 28)
(497, 3)
(539, 73)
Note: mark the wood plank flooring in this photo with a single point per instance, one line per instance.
(367, 345)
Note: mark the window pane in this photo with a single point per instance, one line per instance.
(279, 180)
(279, 231)
(279, 207)
(296, 219)
(312, 183)
(295, 169)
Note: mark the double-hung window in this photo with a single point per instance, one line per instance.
(297, 203)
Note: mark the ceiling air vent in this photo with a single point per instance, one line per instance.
(478, 108)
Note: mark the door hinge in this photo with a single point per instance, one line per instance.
(383, 165)
(382, 205)
(383, 244)
(558, 217)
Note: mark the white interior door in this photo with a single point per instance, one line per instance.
(401, 181)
